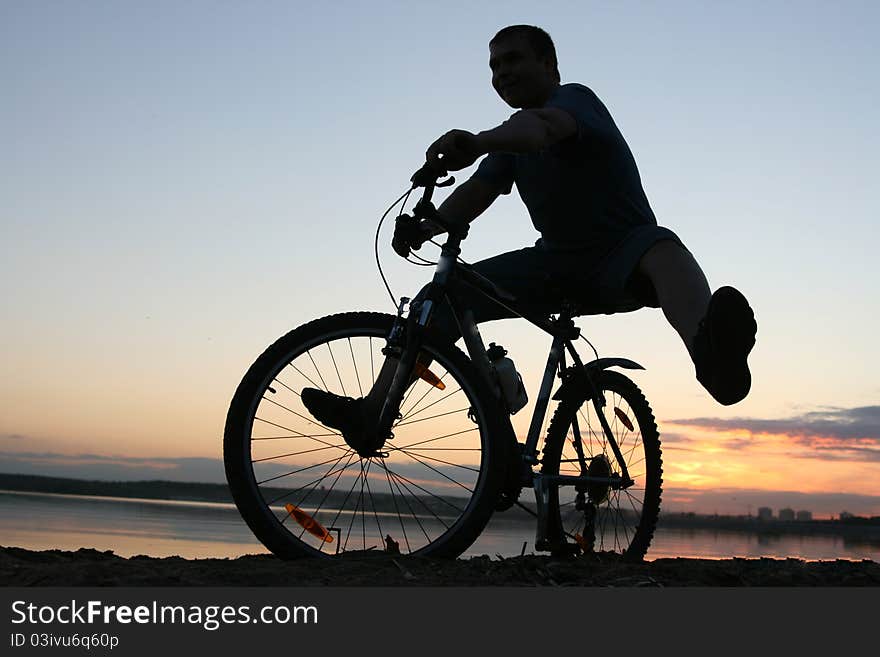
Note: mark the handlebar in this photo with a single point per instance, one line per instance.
(406, 229)
(427, 177)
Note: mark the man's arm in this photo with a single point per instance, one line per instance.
(528, 131)
(525, 132)
(466, 202)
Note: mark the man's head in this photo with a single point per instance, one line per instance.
(524, 67)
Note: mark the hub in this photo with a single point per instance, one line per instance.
(599, 467)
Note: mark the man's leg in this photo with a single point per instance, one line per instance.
(718, 329)
(681, 287)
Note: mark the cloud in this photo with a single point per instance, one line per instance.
(680, 442)
(424, 476)
(112, 468)
(741, 501)
(857, 428)
(842, 453)
(12, 436)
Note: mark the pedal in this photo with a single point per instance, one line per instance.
(558, 548)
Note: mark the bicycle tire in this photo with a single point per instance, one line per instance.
(446, 504)
(626, 519)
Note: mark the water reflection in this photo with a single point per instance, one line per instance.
(161, 528)
(128, 527)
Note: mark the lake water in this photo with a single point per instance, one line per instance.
(160, 528)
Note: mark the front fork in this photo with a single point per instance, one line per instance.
(403, 345)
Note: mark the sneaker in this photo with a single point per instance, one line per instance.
(334, 411)
(724, 339)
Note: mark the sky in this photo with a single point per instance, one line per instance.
(183, 182)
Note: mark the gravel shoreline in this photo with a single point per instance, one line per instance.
(87, 567)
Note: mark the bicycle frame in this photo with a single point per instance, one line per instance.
(449, 277)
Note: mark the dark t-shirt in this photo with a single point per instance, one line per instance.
(583, 192)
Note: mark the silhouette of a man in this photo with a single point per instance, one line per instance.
(600, 243)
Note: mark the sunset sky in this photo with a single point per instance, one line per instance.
(182, 183)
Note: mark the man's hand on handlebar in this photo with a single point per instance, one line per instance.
(455, 150)
(410, 233)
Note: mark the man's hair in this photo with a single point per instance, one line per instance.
(539, 41)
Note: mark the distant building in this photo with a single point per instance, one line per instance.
(765, 513)
(786, 514)
(804, 515)
(846, 515)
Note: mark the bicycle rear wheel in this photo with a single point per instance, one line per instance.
(599, 518)
(304, 491)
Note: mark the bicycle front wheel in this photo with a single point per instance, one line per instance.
(600, 518)
(304, 491)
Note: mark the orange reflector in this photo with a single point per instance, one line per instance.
(624, 419)
(429, 377)
(582, 542)
(308, 523)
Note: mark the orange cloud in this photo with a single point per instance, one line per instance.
(839, 434)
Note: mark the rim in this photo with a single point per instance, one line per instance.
(619, 515)
(327, 498)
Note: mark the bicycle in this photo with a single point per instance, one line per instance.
(442, 456)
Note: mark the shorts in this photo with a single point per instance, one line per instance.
(597, 280)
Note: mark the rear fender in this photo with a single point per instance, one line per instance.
(576, 381)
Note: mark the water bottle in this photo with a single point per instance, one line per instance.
(512, 389)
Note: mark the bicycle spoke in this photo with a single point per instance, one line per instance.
(301, 502)
(298, 415)
(443, 449)
(299, 435)
(442, 474)
(308, 467)
(426, 491)
(338, 376)
(431, 440)
(315, 365)
(357, 375)
(307, 451)
(412, 414)
(373, 504)
(431, 458)
(409, 392)
(356, 506)
(430, 389)
(396, 507)
(347, 496)
(303, 487)
(415, 516)
(327, 495)
(432, 417)
(302, 374)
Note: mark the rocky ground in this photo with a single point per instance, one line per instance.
(19, 567)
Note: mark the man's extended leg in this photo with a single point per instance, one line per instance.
(718, 329)
(681, 287)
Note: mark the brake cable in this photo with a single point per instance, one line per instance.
(404, 197)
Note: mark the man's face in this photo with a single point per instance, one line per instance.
(521, 78)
